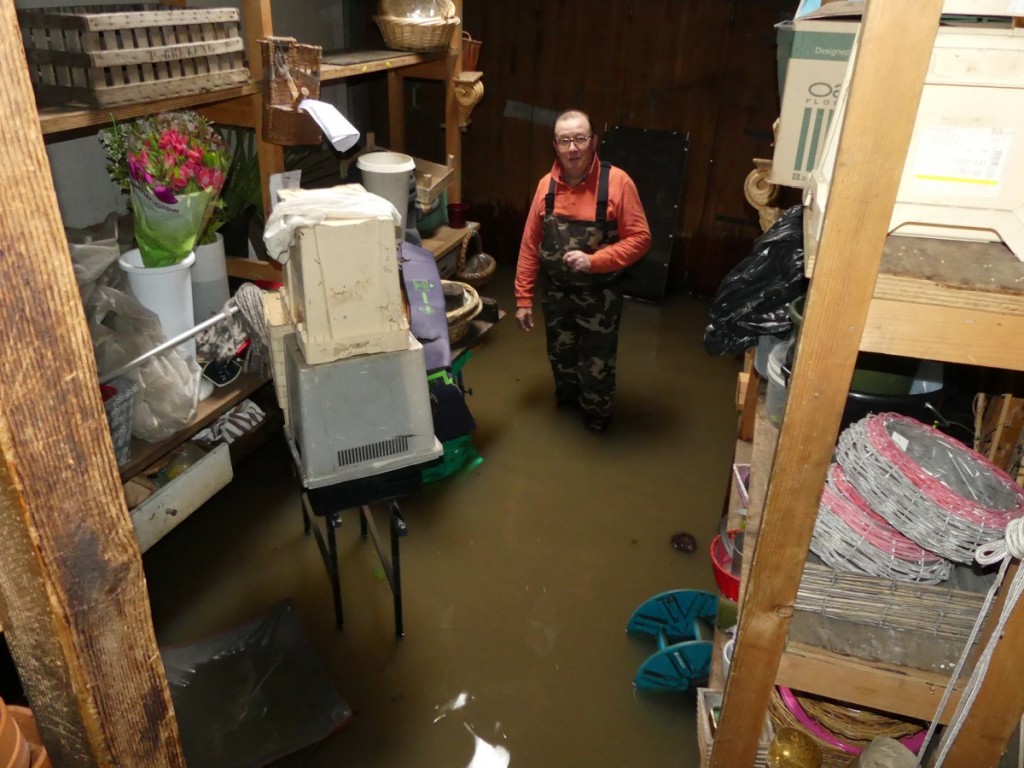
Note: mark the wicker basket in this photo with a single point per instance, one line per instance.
(404, 34)
(465, 305)
(291, 72)
(110, 55)
(475, 268)
(470, 52)
(854, 727)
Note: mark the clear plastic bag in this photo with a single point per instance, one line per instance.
(252, 694)
(122, 329)
(414, 9)
(93, 251)
(753, 299)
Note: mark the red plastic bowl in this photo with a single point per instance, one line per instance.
(721, 561)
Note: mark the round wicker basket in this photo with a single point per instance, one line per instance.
(836, 724)
(475, 268)
(406, 34)
(462, 304)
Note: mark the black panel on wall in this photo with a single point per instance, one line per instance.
(656, 161)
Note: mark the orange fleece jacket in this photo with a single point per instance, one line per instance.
(579, 203)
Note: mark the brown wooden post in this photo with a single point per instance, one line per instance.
(259, 24)
(886, 89)
(75, 608)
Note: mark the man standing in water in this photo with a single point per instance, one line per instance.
(585, 225)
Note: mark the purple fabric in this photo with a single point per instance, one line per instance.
(427, 318)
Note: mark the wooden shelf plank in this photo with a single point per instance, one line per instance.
(254, 269)
(900, 690)
(970, 275)
(986, 277)
(948, 333)
(55, 120)
(144, 453)
(446, 239)
(338, 65)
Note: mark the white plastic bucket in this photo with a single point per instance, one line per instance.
(166, 291)
(727, 656)
(210, 280)
(775, 394)
(387, 174)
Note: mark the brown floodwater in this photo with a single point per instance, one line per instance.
(519, 575)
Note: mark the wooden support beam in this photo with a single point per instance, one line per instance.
(396, 110)
(75, 608)
(887, 84)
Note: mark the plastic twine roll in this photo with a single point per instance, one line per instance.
(1012, 546)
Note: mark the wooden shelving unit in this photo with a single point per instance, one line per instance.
(241, 105)
(76, 610)
(56, 120)
(339, 65)
(927, 299)
(144, 454)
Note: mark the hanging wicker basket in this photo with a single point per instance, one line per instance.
(407, 34)
(291, 73)
(475, 267)
(470, 52)
(462, 304)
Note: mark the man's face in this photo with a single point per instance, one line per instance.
(577, 155)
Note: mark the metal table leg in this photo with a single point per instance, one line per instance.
(328, 552)
(392, 565)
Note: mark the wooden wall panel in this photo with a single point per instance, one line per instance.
(702, 66)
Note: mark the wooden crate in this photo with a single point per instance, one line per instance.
(709, 699)
(913, 625)
(123, 54)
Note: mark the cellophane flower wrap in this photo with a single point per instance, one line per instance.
(174, 166)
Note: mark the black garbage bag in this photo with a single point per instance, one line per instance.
(754, 297)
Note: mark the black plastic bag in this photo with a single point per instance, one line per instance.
(753, 299)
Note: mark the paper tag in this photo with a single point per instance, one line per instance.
(279, 181)
(901, 442)
(339, 131)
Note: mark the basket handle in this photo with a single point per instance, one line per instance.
(465, 247)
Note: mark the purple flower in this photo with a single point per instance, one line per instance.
(165, 194)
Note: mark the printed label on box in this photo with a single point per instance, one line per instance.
(958, 161)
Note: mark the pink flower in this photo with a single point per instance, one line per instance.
(165, 195)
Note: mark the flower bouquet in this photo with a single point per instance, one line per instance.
(173, 165)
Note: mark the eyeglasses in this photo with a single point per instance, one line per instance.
(579, 141)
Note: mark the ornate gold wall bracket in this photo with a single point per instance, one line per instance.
(761, 193)
(469, 89)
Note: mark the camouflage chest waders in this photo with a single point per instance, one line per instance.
(581, 311)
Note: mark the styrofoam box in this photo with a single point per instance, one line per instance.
(964, 172)
(342, 289)
(360, 416)
(814, 52)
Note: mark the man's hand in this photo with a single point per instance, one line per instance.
(524, 316)
(577, 261)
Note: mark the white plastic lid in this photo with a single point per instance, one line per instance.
(385, 162)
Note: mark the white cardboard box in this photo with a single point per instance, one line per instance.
(814, 51)
(963, 178)
(342, 289)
